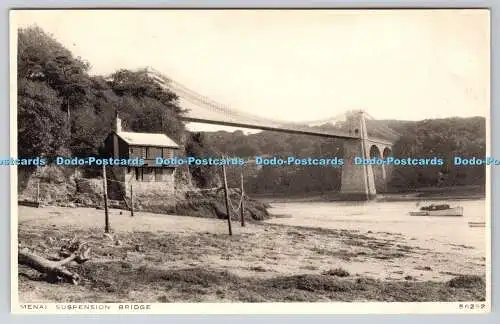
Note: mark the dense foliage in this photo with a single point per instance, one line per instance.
(64, 109)
(445, 138)
(202, 176)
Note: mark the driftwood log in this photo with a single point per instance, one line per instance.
(54, 269)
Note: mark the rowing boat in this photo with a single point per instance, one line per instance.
(477, 224)
(455, 211)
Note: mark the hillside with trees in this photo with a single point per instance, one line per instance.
(443, 138)
(65, 110)
(73, 111)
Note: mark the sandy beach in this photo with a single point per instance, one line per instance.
(259, 251)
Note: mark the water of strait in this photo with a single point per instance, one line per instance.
(434, 232)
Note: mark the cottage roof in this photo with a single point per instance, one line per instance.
(147, 139)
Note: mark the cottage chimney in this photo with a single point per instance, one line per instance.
(118, 123)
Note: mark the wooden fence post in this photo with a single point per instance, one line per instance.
(226, 193)
(131, 200)
(242, 206)
(105, 187)
(38, 191)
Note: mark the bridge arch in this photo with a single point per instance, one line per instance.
(387, 152)
(378, 169)
(388, 168)
(375, 152)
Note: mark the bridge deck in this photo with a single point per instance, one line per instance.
(293, 129)
(212, 112)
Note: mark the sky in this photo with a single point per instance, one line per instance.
(295, 65)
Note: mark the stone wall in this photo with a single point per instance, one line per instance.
(152, 184)
(152, 189)
(89, 186)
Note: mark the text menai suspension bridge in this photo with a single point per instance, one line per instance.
(257, 160)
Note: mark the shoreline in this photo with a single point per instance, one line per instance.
(465, 193)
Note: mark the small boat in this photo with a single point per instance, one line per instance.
(477, 224)
(439, 210)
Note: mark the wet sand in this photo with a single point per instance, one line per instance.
(259, 250)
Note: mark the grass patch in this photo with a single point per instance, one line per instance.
(119, 281)
(467, 281)
(338, 272)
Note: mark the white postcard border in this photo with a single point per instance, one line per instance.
(472, 307)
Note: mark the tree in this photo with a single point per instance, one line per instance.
(42, 58)
(51, 79)
(205, 176)
(42, 129)
(147, 106)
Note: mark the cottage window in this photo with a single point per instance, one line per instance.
(153, 152)
(168, 153)
(138, 152)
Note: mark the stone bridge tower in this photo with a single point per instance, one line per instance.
(358, 182)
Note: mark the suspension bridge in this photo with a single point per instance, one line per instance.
(363, 136)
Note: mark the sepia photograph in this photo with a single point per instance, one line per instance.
(300, 161)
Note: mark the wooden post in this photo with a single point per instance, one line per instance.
(242, 207)
(190, 181)
(38, 192)
(226, 193)
(131, 201)
(105, 186)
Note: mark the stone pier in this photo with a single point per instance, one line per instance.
(363, 181)
(358, 182)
